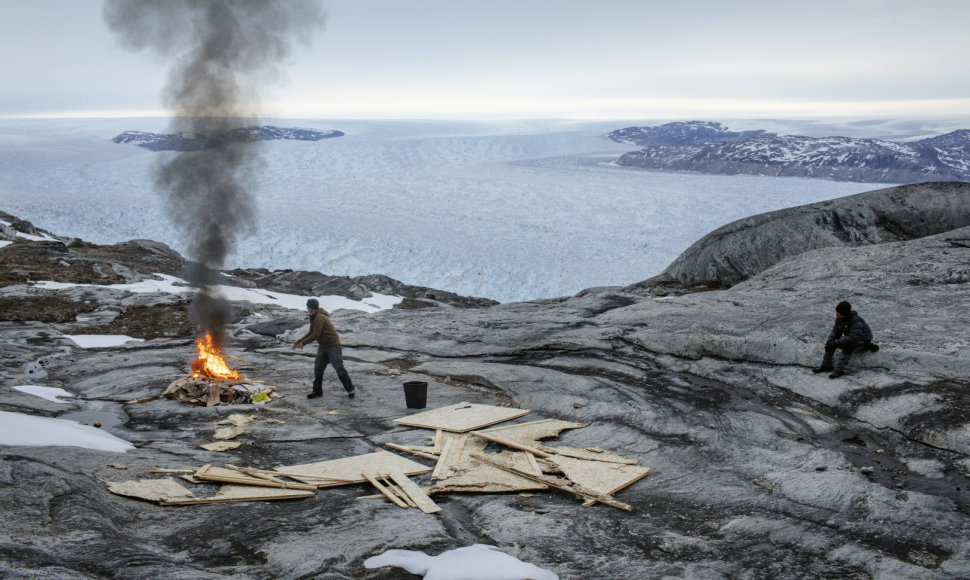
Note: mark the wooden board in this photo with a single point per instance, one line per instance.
(601, 477)
(150, 489)
(461, 417)
(348, 470)
(590, 453)
(229, 493)
(223, 475)
(416, 494)
(533, 431)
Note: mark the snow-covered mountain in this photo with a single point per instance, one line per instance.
(197, 142)
(682, 133)
(711, 148)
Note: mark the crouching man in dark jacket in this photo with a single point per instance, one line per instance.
(849, 334)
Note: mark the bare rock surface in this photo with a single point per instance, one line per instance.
(745, 247)
(759, 468)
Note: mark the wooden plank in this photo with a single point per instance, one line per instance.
(591, 454)
(442, 467)
(396, 490)
(564, 485)
(348, 469)
(512, 444)
(438, 443)
(370, 477)
(232, 493)
(461, 417)
(535, 466)
(533, 431)
(410, 449)
(424, 503)
(163, 470)
(150, 489)
(223, 475)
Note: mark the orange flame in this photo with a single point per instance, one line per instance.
(210, 364)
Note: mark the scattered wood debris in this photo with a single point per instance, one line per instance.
(209, 392)
(237, 424)
(463, 465)
(458, 448)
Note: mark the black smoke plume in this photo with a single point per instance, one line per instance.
(221, 55)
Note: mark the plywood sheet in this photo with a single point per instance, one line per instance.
(417, 495)
(229, 493)
(349, 469)
(150, 489)
(590, 453)
(461, 417)
(533, 431)
(601, 477)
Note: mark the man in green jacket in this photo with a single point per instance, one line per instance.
(328, 349)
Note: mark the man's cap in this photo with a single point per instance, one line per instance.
(313, 303)
(843, 308)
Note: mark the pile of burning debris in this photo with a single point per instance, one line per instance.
(212, 382)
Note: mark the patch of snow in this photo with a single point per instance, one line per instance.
(173, 285)
(101, 340)
(476, 562)
(52, 394)
(4, 243)
(31, 431)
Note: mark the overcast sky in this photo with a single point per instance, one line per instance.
(536, 59)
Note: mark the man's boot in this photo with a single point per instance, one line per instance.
(836, 373)
(823, 368)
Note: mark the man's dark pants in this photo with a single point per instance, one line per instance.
(330, 355)
(843, 361)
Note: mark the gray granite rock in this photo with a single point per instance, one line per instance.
(759, 468)
(745, 247)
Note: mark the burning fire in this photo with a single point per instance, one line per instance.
(211, 364)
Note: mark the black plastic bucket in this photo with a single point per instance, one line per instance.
(416, 394)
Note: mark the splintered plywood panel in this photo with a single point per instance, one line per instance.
(529, 433)
(228, 493)
(349, 469)
(223, 475)
(599, 476)
(417, 495)
(150, 489)
(469, 474)
(461, 417)
(590, 453)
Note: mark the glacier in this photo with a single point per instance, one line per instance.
(512, 211)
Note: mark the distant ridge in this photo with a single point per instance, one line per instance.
(711, 148)
(198, 142)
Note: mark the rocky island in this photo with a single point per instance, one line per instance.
(188, 141)
(708, 147)
(758, 468)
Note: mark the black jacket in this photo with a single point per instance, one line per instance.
(851, 329)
